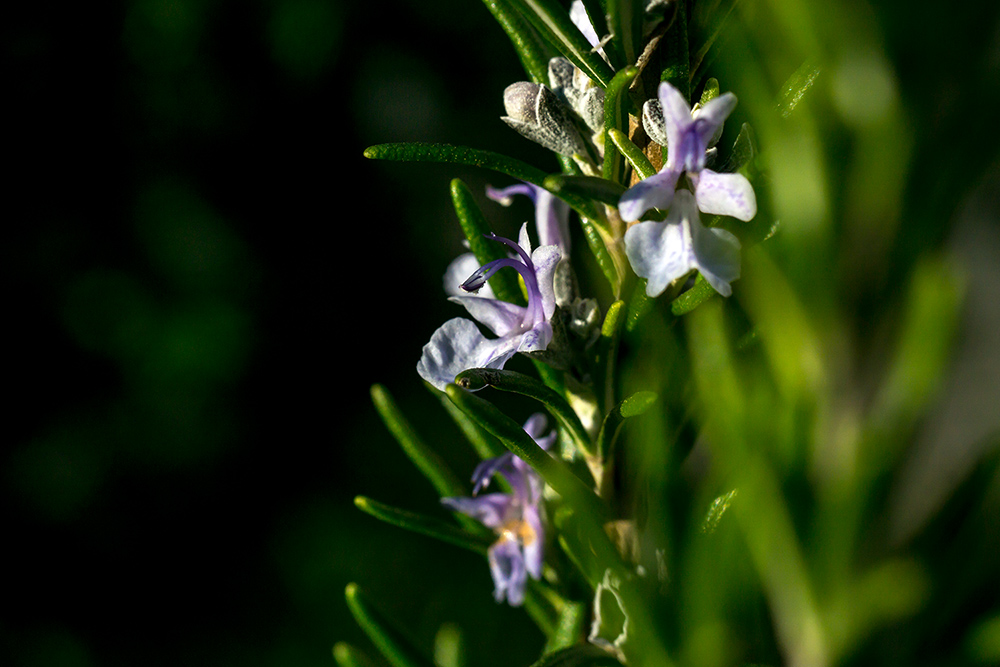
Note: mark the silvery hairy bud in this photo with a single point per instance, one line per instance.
(536, 112)
(576, 89)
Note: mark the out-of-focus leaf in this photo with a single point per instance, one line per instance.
(425, 525)
(797, 87)
(632, 406)
(569, 628)
(426, 459)
(715, 512)
(607, 354)
(449, 648)
(398, 649)
(346, 655)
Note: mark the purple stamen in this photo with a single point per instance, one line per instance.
(476, 281)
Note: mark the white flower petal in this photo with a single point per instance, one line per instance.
(459, 345)
(657, 191)
(725, 194)
(500, 317)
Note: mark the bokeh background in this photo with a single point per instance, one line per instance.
(204, 278)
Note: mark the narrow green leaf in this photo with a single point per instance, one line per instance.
(446, 153)
(426, 459)
(580, 655)
(589, 187)
(390, 640)
(484, 444)
(530, 48)
(632, 153)
(625, 24)
(598, 239)
(797, 87)
(639, 305)
(512, 435)
(346, 655)
(552, 21)
(676, 53)
(426, 525)
(616, 117)
(715, 512)
(504, 283)
(694, 297)
(518, 383)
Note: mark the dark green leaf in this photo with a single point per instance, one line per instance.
(512, 435)
(504, 283)
(530, 48)
(598, 239)
(518, 383)
(346, 655)
(425, 458)
(390, 640)
(625, 24)
(552, 21)
(589, 187)
(446, 153)
(426, 525)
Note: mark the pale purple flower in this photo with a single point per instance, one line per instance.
(459, 345)
(688, 136)
(664, 251)
(551, 213)
(516, 517)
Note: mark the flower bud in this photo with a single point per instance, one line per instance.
(535, 112)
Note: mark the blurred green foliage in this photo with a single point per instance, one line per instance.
(203, 271)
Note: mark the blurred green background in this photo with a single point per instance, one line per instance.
(206, 277)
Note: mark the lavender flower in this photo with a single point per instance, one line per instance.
(551, 213)
(459, 345)
(516, 517)
(688, 135)
(664, 251)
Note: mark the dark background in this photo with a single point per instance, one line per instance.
(204, 278)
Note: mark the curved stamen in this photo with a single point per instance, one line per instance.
(475, 282)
